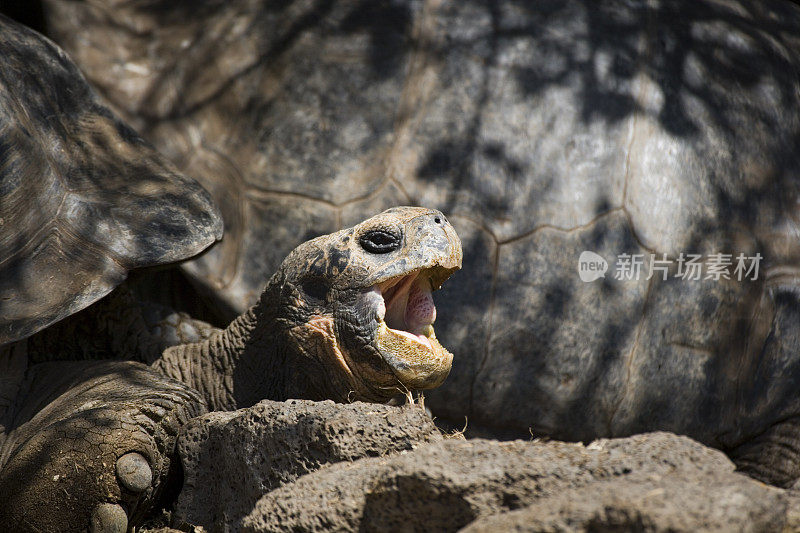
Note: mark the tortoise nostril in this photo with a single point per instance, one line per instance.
(438, 220)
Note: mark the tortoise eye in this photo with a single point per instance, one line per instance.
(380, 241)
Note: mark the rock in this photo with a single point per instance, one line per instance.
(666, 504)
(653, 482)
(793, 511)
(231, 459)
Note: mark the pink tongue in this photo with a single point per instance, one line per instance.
(420, 310)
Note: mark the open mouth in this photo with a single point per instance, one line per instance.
(405, 335)
(409, 308)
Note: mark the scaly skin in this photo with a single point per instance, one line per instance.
(92, 442)
(63, 456)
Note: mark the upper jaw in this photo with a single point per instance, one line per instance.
(438, 266)
(437, 273)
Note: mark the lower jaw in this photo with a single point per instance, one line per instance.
(416, 366)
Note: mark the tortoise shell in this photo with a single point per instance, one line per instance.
(83, 199)
(543, 130)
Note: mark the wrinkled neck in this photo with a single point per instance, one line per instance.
(240, 365)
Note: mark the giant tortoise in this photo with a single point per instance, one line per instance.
(544, 129)
(87, 429)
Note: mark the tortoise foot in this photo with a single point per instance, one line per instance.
(98, 456)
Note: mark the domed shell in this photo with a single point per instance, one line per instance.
(83, 199)
(543, 130)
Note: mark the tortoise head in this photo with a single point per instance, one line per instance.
(358, 302)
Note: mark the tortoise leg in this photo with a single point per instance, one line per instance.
(93, 447)
(773, 456)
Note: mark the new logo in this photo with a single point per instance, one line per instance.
(591, 266)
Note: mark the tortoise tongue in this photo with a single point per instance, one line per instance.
(409, 308)
(420, 311)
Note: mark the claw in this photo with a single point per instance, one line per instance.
(109, 518)
(133, 472)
